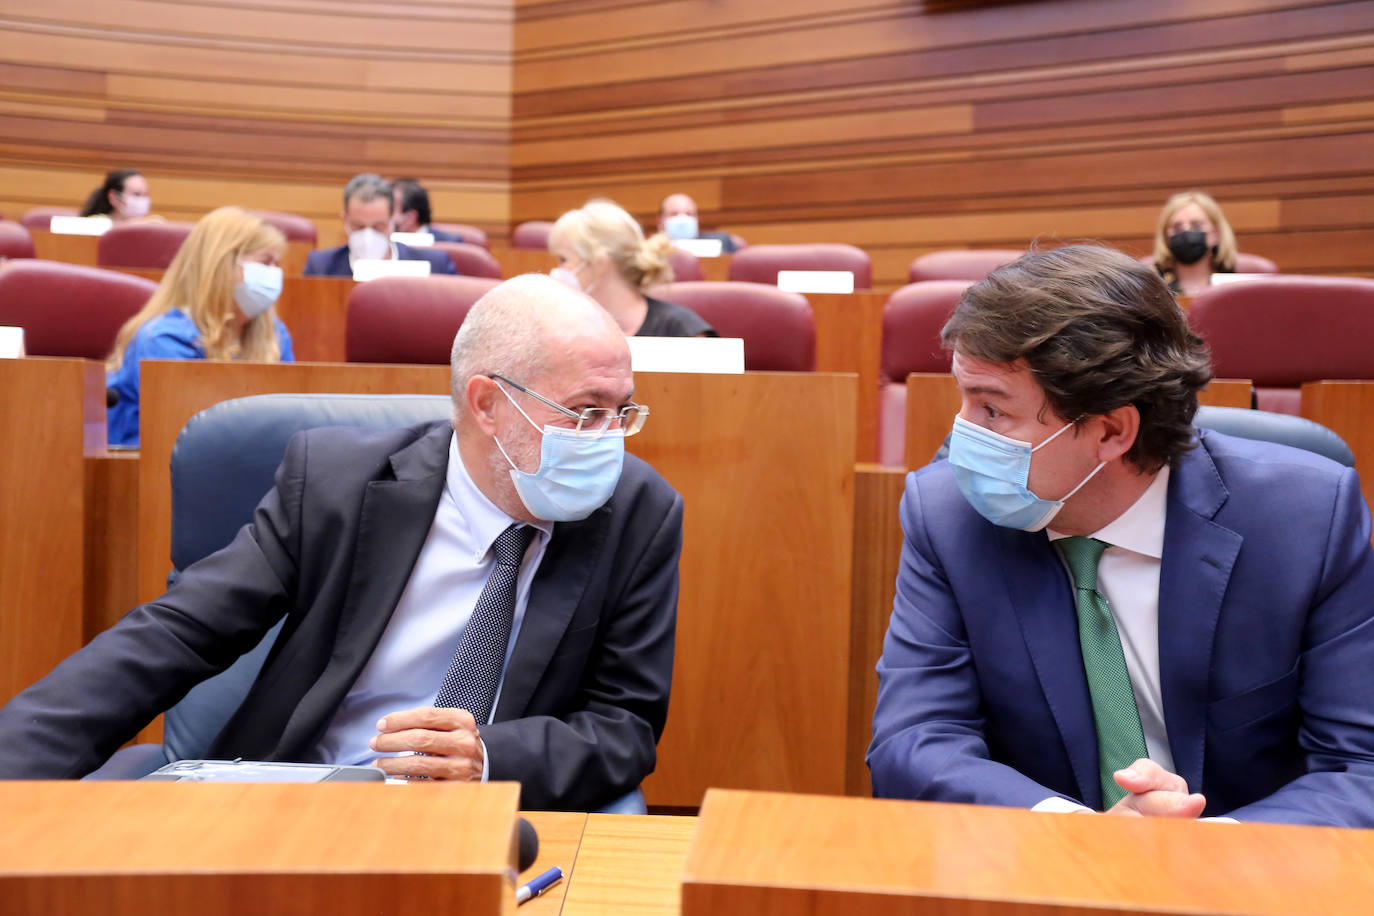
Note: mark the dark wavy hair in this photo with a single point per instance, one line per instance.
(1099, 330)
(98, 201)
(413, 197)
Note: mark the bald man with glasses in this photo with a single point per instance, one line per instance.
(491, 598)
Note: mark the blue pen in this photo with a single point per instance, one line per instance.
(536, 887)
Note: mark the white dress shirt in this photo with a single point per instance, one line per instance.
(413, 656)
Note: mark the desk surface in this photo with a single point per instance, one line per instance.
(629, 864)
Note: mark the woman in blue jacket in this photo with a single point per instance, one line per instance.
(215, 302)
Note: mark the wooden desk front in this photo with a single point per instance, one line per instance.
(825, 856)
(225, 850)
(1347, 409)
(84, 249)
(764, 464)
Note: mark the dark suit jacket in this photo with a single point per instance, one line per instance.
(331, 548)
(333, 262)
(442, 236)
(1266, 646)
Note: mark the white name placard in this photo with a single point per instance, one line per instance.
(1219, 279)
(816, 281)
(11, 343)
(714, 355)
(369, 269)
(414, 239)
(80, 225)
(702, 248)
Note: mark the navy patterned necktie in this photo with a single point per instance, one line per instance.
(476, 667)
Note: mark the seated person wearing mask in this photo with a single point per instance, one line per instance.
(1193, 240)
(123, 196)
(1102, 608)
(367, 218)
(413, 213)
(602, 251)
(214, 302)
(677, 218)
(498, 591)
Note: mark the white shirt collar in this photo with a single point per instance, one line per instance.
(482, 518)
(1141, 527)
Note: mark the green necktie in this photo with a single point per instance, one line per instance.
(1120, 741)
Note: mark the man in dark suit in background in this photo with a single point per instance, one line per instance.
(367, 217)
(495, 593)
(677, 218)
(413, 212)
(1100, 608)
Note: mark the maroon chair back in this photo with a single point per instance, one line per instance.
(470, 260)
(1285, 330)
(1254, 264)
(15, 241)
(960, 263)
(295, 228)
(686, 266)
(533, 234)
(761, 263)
(912, 320)
(66, 309)
(471, 234)
(148, 245)
(409, 319)
(778, 328)
(41, 217)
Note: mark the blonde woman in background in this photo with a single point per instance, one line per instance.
(602, 251)
(215, 302)
(1192, 242)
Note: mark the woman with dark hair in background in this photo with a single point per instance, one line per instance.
(123, 196)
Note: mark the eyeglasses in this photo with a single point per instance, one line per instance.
(591, 421)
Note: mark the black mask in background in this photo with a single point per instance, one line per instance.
(1188, 247)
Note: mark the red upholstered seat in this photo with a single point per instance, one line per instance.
(533, 234)
(150, 245)
(41, 217)
(961, 263)
(1285, 330)
(686, 266)
(471, 260)
(68, 310)
(761, 263)
(409, 319)
(912, 320)
(15, 241)
(295, 228)
(778, 328)
(471, 234)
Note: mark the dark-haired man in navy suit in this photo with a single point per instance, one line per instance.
(367, 217)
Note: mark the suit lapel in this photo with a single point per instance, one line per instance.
(1198, 558)
(393, 523)
(558, 586)
(1044, 606)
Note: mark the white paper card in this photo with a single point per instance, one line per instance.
(11, 343)
(1219, 279)
(702, 248)
(369, 269)
(414, 239)
(713, 355)
(80, 225)
(816, 281)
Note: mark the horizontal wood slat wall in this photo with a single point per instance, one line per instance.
(271, 106)
(906, 127)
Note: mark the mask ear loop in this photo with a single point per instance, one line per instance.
(538, 428)
(1084, 481)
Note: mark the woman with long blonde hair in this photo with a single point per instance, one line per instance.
(602, 251)
(1193, 240)
(215, 302)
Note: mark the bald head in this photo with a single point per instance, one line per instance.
(676, 205)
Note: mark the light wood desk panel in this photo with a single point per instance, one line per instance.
(629, 865)
(225, 849)
(849, 338)
(824, 856)
(1347, 409)
(560, 835)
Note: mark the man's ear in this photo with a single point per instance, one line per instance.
(1119, 429)
(480, 400)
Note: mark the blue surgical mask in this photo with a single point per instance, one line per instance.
(259, 288)
(681, 226)
(993, 471)
(577, 472)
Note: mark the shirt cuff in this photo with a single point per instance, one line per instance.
(486, 768)
(1056, 805)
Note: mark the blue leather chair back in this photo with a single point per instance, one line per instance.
(1282, 428)
(223, 464)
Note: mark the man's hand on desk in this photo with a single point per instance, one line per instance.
(1153, 791)
(444, 743)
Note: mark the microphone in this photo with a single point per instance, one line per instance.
(528, 844)
(111, 397)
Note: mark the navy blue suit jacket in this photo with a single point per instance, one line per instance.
(441, 236)
(333, 262)
(1266, 646)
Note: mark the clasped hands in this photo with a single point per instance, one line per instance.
(1152, 791)
(444, 744)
